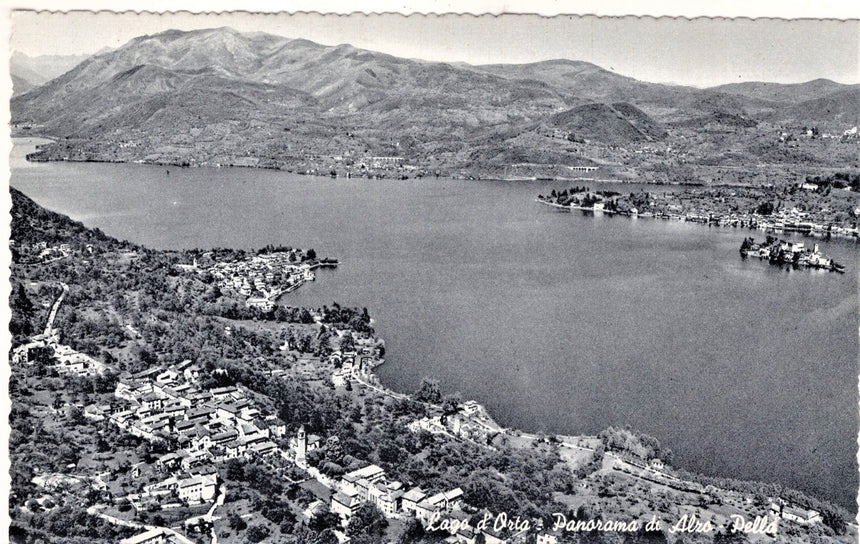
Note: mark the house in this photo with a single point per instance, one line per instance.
(261, 448)
(411, 499)
(277, 427)
(202, 414)
(470, 407)
(97, 412)
(223, 393)
(168, 461)
(425, 509)
(168, 377)
(198, 488)
(184, 426)
(360, 480)
(453, 499)
(158, 535)
(136, 469)
(313, 510)
(345, 504)
(148, 374)
(233, 449)
(386, 497)
(194, 458)
(795, 513)
(152, 402)
(224, 437)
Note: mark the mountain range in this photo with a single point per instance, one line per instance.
(218, 96)
(30, 72)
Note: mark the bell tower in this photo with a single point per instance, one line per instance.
(302, 448)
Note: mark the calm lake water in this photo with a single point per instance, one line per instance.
(557, 322)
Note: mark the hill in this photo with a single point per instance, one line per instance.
(32, 223)
(842, 107)
(782, 92)
(614, 124)
(20, 85)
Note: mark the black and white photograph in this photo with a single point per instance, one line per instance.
(374, 277)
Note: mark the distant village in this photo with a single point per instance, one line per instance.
(263, 278)
(801, 211)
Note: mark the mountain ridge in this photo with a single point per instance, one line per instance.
(283, 100)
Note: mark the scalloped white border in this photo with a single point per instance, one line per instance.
(789, 9)
(838, 9)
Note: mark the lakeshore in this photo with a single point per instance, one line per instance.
(809, 209)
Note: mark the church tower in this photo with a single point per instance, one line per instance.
(302, 448)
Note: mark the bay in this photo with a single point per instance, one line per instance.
(557, 322)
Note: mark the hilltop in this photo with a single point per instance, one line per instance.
(221, 97)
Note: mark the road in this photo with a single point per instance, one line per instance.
(50, 324)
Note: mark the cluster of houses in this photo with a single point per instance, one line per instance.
(369, 485)
(804, 516)
(41, 252)
(263, 278)
(206, 425)
(667, 208)
(215, 425)
(356, 363)
(67, 360)
(470, 422)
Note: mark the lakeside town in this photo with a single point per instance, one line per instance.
(253, 430)
(821, 208)
(262, 278)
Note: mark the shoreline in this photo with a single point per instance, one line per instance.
(669, 475)
(399, 176)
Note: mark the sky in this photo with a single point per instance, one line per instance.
(700, 52)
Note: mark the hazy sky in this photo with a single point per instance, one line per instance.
(699, 52)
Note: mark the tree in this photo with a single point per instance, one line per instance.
(324, 520)
(412, 531)
(451, 403)
(333, 449)
(429, 391)
(367, 522)
(833, 519)
(257, 533)
(236, 522)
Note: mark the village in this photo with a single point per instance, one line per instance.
(264, 278)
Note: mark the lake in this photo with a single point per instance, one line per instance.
(557, 322)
